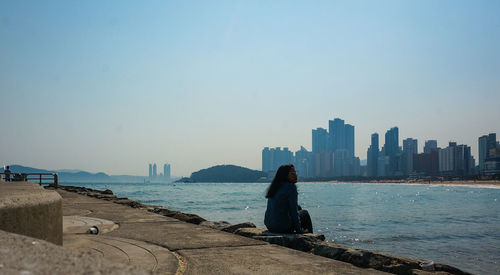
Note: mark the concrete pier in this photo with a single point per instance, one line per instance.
(165, 245)
(28, 209)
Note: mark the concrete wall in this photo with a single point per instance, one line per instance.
(28, 209)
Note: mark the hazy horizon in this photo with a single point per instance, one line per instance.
(113, 86)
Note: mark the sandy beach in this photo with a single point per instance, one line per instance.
(477, 183)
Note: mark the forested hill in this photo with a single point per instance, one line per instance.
(227, 173)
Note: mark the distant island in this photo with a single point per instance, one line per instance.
(226, 173)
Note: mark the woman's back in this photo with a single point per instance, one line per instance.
(282, 213)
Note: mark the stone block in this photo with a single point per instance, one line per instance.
(301, 242)
(186, 217)
(215, 225)
(250, 232)
(28, 209)
(234, 227)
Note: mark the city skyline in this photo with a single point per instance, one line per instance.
(332, 156)
(107, 87)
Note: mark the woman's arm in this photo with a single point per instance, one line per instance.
(294, 212)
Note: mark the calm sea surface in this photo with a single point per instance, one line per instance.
(456, 225)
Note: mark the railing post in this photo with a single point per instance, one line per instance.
(40, 179)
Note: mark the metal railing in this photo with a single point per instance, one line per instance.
(41, 178)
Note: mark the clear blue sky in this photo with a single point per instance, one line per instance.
(114, 85)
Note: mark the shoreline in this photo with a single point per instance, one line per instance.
(309, 243)
(485, 184)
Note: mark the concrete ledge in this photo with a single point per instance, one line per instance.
(315, 244)
(28, 209)
(26, 255)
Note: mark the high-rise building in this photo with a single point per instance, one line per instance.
(267, 160)
(154, 171)
(319, 140)
(337, 134)
(383, 166)
(482, 151)
(486, 143)
(372, 157)
(349, 139)
(273, 158)
(455, 160)
(166, 171)
(341, 143)
(426, 163)
(410, 148)
(375, 141)
(392, 142)
(492, 162)
(391, 150)
(430, 145)
(323, 163)
(302, 162)
(150, 171)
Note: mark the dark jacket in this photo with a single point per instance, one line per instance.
(282, 210)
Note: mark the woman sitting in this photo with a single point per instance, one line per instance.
(282, 213)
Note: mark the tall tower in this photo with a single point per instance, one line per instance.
(337, 129)
(372, 158)
(391, 148)
(430, 146)
(319, 140)
(150, 171)
(166, 171)
(266, 159)
(349, 139)
(392, 142)
(486, 143)
(410, 147)
(154, 170)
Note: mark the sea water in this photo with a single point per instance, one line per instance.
(455, 225)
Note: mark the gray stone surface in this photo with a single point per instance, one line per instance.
(180, 235)
(81, 224)
(80, 205)
(143, 255)
(28, 209)
(26, 255)
(263, 259)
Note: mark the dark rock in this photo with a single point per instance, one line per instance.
(234, 227)
(315, 244)
(131, 203)
(250, 232)
(423, 272)
(215, 225)
(302, 242)
(329, 250)
(107, 192)
(449, 269)
(369, 259)
(190, 218)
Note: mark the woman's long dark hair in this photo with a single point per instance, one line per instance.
(281, 176)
